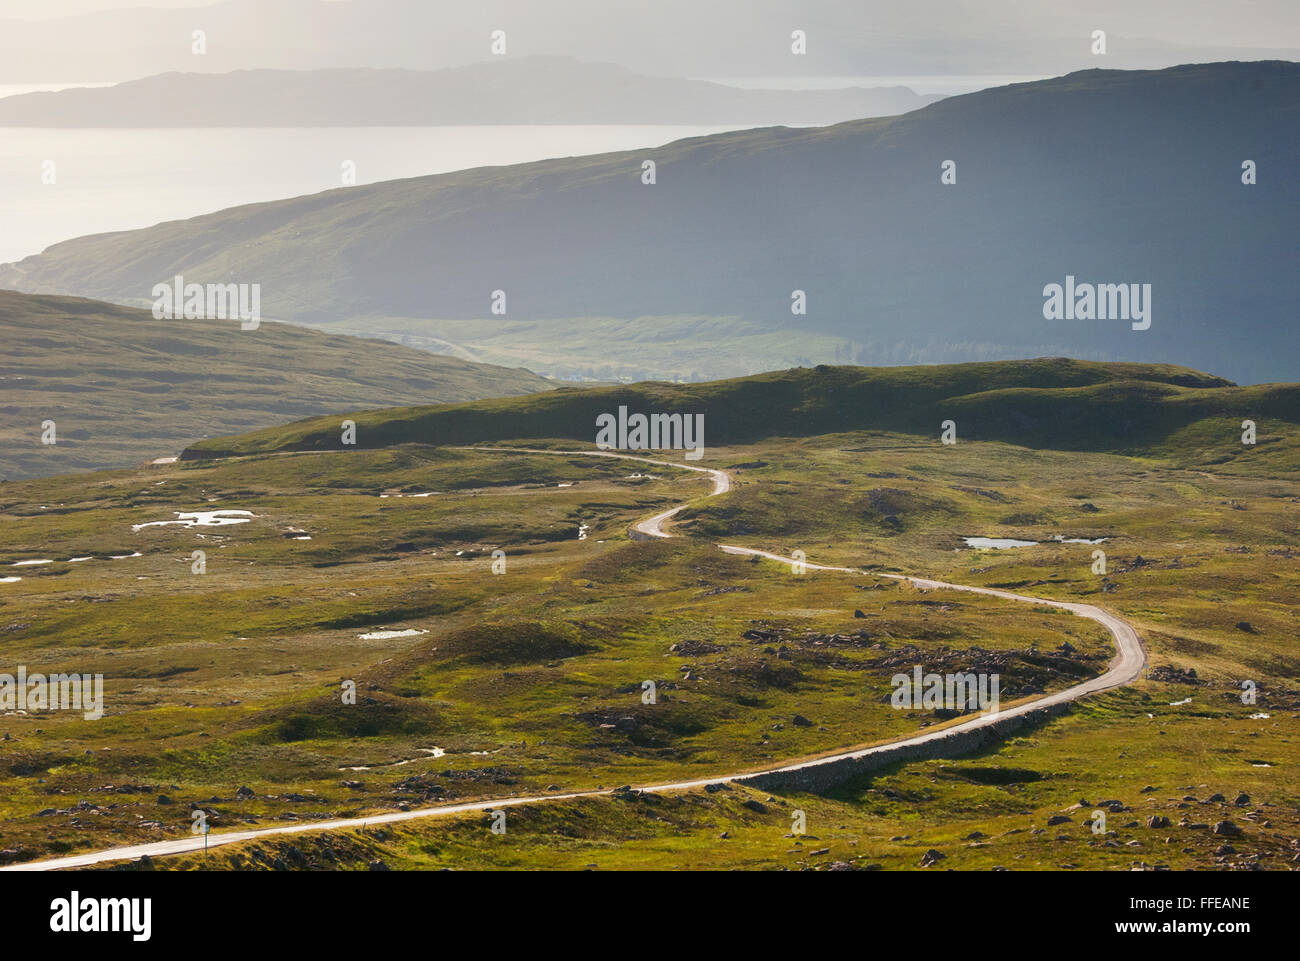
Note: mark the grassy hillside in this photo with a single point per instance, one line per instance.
(123, 387)
(1049, 403)
(1109, 176)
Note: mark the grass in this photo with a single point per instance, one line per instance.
(531, 681)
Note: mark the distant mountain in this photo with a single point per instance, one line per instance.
(1051, 403)
(530, 90)
(1105, 177)
(669, 37)
(122, 387)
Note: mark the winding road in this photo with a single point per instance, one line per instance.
(1129, 660)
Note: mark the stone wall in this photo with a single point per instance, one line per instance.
(823, 775)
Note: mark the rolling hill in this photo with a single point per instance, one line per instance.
(1110, 177)
(122, 387)
(1053, 403)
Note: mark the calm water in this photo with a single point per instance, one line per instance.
(123, 179)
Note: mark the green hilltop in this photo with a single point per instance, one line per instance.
(1051, 403)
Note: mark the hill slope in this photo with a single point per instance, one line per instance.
(123, 387)
(1107, 176)
(1050, 403)
(530, 90)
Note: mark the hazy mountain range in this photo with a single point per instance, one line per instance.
(669, 37)
(529, 90)
(1106, 177)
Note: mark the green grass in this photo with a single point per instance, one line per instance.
(531, 680)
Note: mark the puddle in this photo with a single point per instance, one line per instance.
(30, 563)
(420, 494)
(78, 560)
(388, 635)
(1186, 700)
(202, 519)
(10, 580)
(1259, 717)
(159, 461)
(1062, 539)
(122, 557)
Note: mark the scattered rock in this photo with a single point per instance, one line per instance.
(1172, 675)
(932, 857)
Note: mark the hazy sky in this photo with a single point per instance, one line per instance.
(1268, 23)
(102, 40)
(42, 9)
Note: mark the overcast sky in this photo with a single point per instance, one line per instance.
(103, 41)
(1268, 23)
(44, 9)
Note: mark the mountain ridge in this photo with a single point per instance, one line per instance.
(903, 267)
(528, 90)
